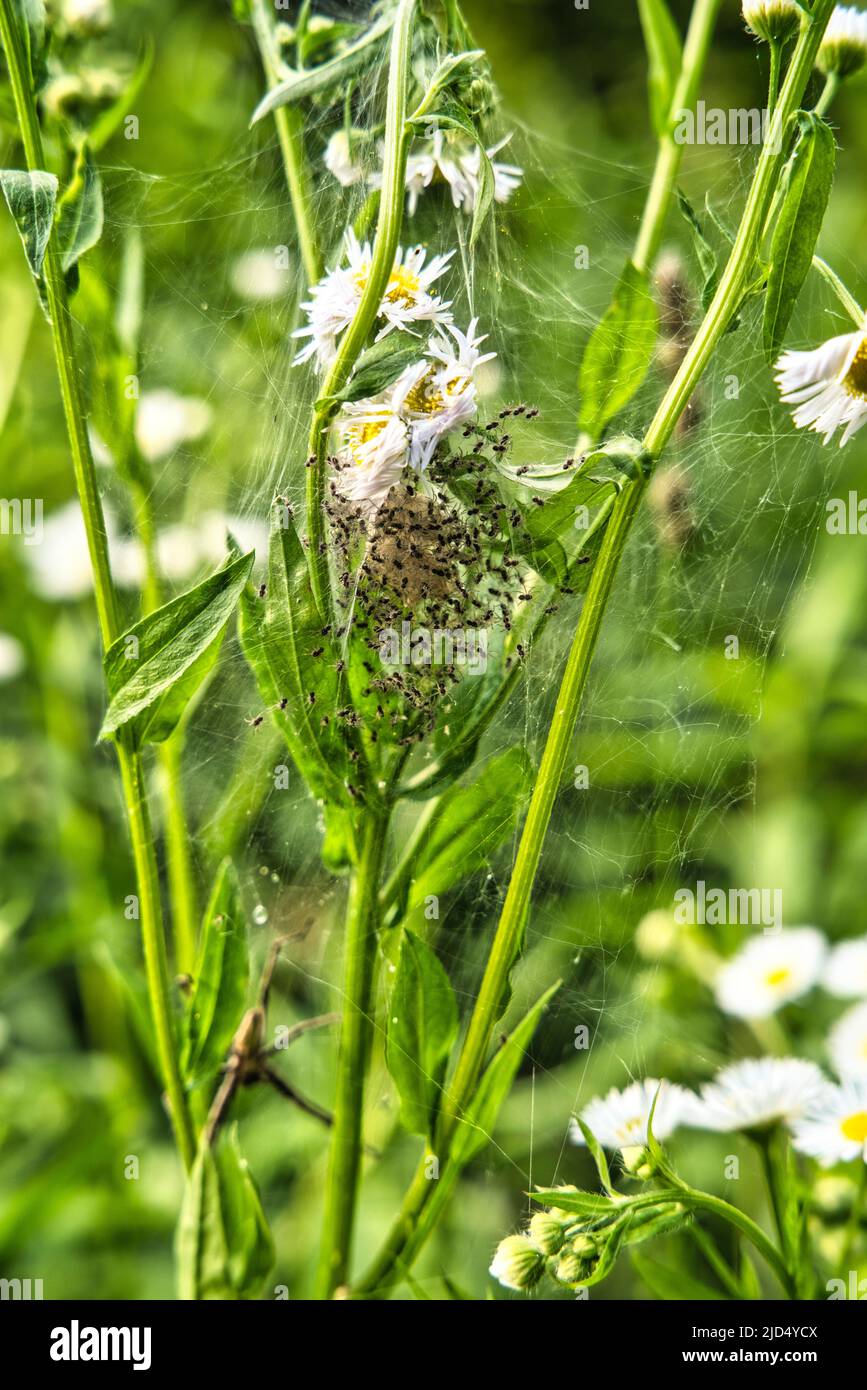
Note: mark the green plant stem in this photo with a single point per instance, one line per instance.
(389, 222)
(850, 304)
(354, 1049)
(828, 93)
(747, 1227)
(717, 1261)
(138, 818)
(776, 58)
(290, 134)
(764, 1144)
(854, 1224)
(674, 402)
(670, 152)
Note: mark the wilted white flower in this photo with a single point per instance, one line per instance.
(772, 20)
(11, 657)
(827, 385)
(845, 973)
(258, 275)
(339, 160)
(457, 162)
(834, 1130)
(164, 420)
(770, 971)
(437, 395)
(408, 298)
(517, 1264)
(847, 1044)
(843, 49)
(619, 1120)
(758, 1092)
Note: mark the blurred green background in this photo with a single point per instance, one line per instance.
(747, 771)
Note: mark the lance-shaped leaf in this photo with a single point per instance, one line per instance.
(80, 213)
(377, 367)
(480, 1116)
(224, 1246)
(31, 197)
(334, 73)
(619, 352)
(664, 56)
(444, 76)
(422, 1026)
(471, 823)
(154, 670)
(220, 980)
(452, 114)
(808, 179)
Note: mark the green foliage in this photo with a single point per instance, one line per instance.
(219, 988)
(807, 188)
(326, 77)
(664, 55)
(619, 352)
(225, 1249)
(422, 1027)
(80, 214)
(154, 670)
(31, 199)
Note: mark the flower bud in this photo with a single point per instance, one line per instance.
(775, 21)
(546, 1232)
(843, 49)
(571, 1269)
(517, 1264)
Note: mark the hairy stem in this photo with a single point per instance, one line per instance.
(388, 227)
(355, 1035)
(132, 778)
(510, 929)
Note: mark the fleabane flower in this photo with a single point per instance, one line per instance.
(771, 20)
(845, 973)
(847, 1043)
(517, 1264)
(843, 49)
(828, 385)
(757, 1093)
(409, 298)
(834, 1130)
(770, 971)
(438, 394)
(164, 420)
(375, 451)
(457, 162)
(339, 160)
(619, 1119)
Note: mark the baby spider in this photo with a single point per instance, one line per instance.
(256, 721)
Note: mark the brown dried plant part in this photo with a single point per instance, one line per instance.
(247, 1061)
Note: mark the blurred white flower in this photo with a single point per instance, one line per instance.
(11, 657)
(339, 160)
(87, 16)
(834, 1130)
(843, 49)
(828, 386)
(164, 420)
(60, 565)
(770, 971)
(845, 973)
(259, 275)
(250, 532)
(847, 1043)
(757, 1092)
(408, 298)
(619, 1119)
(772, 20)
(517, 1264)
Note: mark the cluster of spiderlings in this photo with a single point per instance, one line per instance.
(438, 555)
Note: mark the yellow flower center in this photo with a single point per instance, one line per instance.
(855, 1126)
(775, 978)
(855, 380)
(403, 285)
(360, 434)
(424, 398)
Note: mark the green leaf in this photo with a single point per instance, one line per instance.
(590, 1204)
(808, 178)
(278, 645)
(471, 823)
(619, 352)
(80, 212)
(454, 115)
(672, 1284)
(422, 1026)
(155, 668)
(109, 120)
(379, 366)
(480, 1117)
(31, 198)
(444, 76)
(597, 1153)
(664, 58)
(220, 980)
(299, 85)
(224, 1246)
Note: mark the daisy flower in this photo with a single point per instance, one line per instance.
(438, 394)
(619, 1120)
(834, 1130)
(828, 386)
(457, 162)
(845, 973)
(409, 298)
(770, 971)
(771, 20)
(843, 49)
(11, 657)
(847, 1044)
(375, 451)
(757, 1092)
